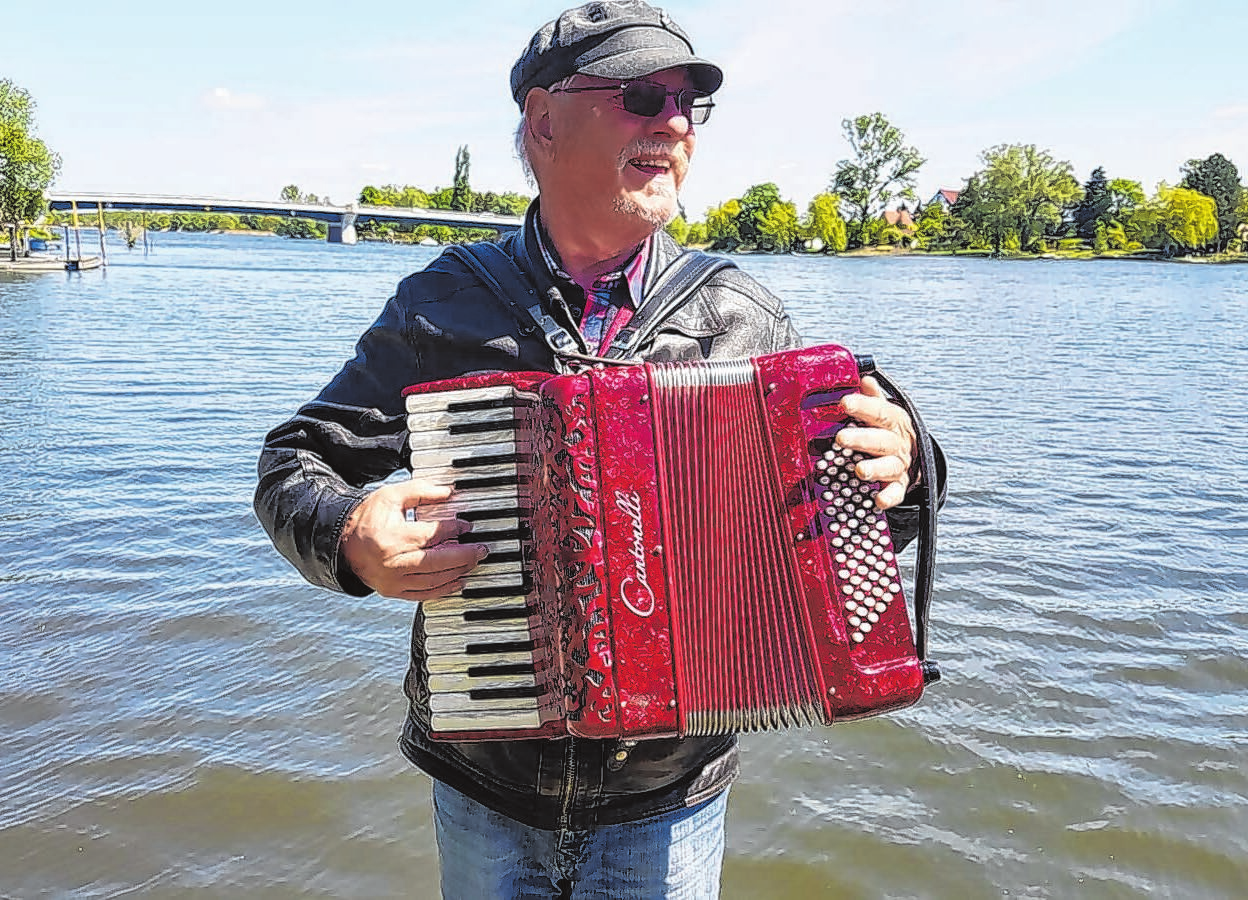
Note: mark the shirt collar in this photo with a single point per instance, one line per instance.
(633, 272)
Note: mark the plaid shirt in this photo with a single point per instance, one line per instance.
(611, 301)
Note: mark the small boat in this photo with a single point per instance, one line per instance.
(48, 264)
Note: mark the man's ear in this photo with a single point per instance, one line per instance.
(537, 112)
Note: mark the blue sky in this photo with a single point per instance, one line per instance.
(333, 96)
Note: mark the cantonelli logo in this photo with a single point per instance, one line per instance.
(635, 591)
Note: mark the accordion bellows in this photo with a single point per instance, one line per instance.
(676, 549)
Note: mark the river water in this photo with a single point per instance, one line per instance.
(181, 716)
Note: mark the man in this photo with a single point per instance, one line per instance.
(611, 94)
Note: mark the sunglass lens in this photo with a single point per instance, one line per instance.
(644, 98)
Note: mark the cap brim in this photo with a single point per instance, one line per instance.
(620, 57)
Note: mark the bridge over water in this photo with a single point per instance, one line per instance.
(341, 219)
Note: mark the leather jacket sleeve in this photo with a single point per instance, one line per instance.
(314, 469)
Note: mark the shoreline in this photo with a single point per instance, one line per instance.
(857, 253)
(1047, 256)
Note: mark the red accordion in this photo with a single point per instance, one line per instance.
(675, 549)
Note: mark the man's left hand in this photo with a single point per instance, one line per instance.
(886, 435)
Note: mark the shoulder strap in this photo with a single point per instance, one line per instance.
(675, 285)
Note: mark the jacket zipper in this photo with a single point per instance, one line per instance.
(569, 785)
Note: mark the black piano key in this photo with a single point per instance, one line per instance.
(506, 590)
(499, 647)
(509, 556)
(489, 481)
(498, 669)
(496, 615)
(483, 515)
(507, 693)
(486, 537)
(497, 403)
(508, 425)
(496, 460)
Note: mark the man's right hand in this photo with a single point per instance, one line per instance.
(408, 559)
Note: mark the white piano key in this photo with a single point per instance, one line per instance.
(499, 580)
(417, 403)
(456, 606)
(444, 663)
(465, 456)
(442, 474)
(497, 568)
(441, 440)
(506, 545)
(485, 721)
(448, 627)
(456, 683)
(442, 419)
(461, 702)
(485, 518)
(480, 641)
(491, 497)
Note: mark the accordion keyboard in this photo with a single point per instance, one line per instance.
(480, 658)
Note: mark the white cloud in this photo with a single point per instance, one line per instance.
(1238, 111)
(224, 98)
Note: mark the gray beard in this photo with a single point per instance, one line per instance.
(653, 217)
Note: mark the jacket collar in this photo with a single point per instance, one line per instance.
(526, 250)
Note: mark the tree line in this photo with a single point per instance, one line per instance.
(1021, 200)
(27, 166)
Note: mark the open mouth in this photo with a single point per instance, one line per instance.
(651, 165)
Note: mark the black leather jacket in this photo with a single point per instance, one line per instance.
(315, 468)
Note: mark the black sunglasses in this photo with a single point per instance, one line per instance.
(648, 99)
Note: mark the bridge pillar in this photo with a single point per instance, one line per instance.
(343, 231)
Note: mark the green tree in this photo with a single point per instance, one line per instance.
(678, 228)
(1242, 230)
(881, 169)
(723, 226)
(442, 198)
(1217, 177)
(27, 166)
(412, 198)
(1093, 210)
(461, 191)
(1017, 197)
(932, 226)
(290, 194)
(778, 227)
(755, 203)
(512, 204)
(1124, 196)
(1177, 220)
(825, 224)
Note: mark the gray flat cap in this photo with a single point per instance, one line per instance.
(610, 39)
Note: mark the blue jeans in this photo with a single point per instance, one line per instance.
(485, 854)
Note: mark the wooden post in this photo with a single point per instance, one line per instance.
(73, 205)
(99, 210)
(66, 227)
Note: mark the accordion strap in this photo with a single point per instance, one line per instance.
(929, 503)
(685, 275)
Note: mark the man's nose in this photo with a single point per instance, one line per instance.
(671, 119)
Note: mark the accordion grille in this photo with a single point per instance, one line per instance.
(743, 651)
